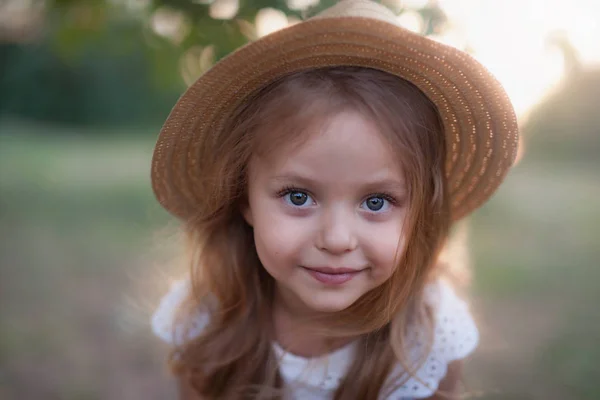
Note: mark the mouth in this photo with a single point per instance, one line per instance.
(333, 276)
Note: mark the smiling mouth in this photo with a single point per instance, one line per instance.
(333, 276)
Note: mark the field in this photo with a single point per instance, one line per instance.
(85, 252)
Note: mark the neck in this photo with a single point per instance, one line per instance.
(300, 330)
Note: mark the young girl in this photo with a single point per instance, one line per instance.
(317, 172)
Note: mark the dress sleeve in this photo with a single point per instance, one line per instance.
(164, 322)
(455, 336)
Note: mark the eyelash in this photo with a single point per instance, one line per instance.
(386, 196)
(290, 189)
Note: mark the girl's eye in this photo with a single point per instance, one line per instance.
(297, 198)
(376, 204)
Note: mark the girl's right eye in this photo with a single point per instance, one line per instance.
(297, 198)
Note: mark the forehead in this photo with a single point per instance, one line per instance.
(345, 148)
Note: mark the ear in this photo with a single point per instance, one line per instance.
(247, 213)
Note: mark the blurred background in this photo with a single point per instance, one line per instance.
(85, 251)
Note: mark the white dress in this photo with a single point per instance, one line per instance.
(455, 336)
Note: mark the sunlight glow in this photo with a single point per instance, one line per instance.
(413, 4)
(513, 38)
(411, 20)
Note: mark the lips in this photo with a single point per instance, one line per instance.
(332, 276)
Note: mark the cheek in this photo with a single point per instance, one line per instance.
(384, 247)
(278, 238)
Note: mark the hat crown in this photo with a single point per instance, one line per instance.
(359, 8)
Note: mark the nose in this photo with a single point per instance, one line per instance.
(336, 235)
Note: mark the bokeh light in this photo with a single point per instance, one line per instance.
(513, 38)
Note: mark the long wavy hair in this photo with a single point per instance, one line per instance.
(233, 358)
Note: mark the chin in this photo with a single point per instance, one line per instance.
(329, 305)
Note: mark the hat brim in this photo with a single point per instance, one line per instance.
(479, 121)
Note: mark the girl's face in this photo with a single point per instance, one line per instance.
(328, 214)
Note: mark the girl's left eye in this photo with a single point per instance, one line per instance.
(377, 204)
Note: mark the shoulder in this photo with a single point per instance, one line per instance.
(455, 336)
(455, 332)
(165, 320)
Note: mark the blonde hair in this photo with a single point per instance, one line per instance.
(233, 358)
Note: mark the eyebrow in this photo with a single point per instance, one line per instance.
(373, 186)
(386, 185)
(304, 181)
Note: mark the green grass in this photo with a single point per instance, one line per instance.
(536, 258)
(81, 263)
(78, 264)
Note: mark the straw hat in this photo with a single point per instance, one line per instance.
(479, 120)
